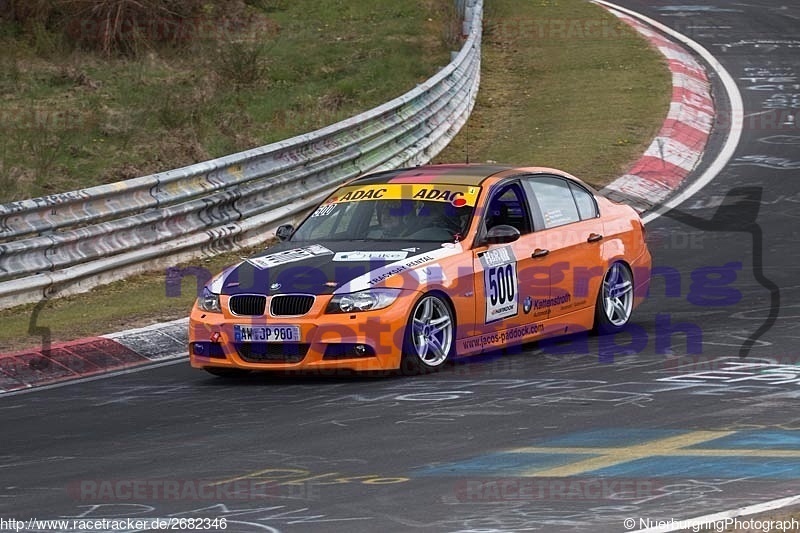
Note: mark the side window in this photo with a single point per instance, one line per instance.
(554, 199)
(587, 208)
(508, 206)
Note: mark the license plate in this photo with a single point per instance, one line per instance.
(266, 334)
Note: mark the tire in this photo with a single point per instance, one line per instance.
(230, 373)
(429, 338)
(614, 300)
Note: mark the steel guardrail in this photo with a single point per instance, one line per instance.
(69, 242)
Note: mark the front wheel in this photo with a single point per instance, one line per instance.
(428, 340)
(615, 300)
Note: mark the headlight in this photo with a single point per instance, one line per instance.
(209, 301)
(368, 300)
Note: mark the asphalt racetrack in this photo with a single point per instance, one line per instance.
(691, 412)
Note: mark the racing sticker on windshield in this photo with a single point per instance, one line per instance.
(324, 210)
(456, 195)
(289, 256)
(500, 283)
(370, 256)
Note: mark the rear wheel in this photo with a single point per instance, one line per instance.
(428, 340)
(615, 300)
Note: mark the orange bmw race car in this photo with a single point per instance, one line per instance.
(406, 269)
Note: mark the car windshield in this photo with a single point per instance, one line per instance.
(389, 211)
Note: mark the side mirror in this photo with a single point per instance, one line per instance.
(502, 234)
(284, 231)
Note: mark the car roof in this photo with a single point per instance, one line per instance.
(451, 174)
(459, 174)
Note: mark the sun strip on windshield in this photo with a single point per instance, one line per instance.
(458, 195)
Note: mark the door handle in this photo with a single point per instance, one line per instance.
(539, 252)
(594, 237)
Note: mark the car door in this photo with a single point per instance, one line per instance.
(569, 229)
(508, 277)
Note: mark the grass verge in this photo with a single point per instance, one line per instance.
(563, 84)
(248, 74)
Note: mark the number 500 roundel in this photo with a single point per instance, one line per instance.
(407, 269)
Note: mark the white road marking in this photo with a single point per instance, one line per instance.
(705, 520)
(737, 112)
(722, 159)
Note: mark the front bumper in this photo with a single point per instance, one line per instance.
(363, 341)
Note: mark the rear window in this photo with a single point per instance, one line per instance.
(587, 208)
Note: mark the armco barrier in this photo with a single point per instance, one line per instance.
(70, 242)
